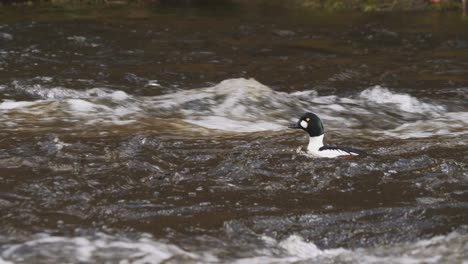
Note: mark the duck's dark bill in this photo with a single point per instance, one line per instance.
(295, 126)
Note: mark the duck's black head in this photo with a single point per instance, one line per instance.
(311, 123)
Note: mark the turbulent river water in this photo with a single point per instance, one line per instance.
(148, 135)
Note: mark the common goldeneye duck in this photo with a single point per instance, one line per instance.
(312, 124)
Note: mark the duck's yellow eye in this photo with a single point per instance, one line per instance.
(307, 119)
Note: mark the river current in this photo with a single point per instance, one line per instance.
(159, 134)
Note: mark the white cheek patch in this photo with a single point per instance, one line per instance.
(304, 124)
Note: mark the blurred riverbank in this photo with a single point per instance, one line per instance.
(328, 5)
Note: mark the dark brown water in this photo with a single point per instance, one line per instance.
(135, 135)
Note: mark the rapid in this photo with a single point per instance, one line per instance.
(159, 135)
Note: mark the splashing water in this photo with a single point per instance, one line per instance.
(238, 105)
(293, 249)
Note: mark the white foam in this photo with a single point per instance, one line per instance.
(154, 83)
(296, 246)
(100, 113)
(294, 249)
(237, 105)
(42, 92)
(453, 123)
(404, 102)
(79, 105)
(118, 95)
(8, 105)
(245, 105)
(112, 249)
(446, 249)
(109, 248)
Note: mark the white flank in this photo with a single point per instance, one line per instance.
(313, 149)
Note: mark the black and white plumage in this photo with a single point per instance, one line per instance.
(312, 124)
